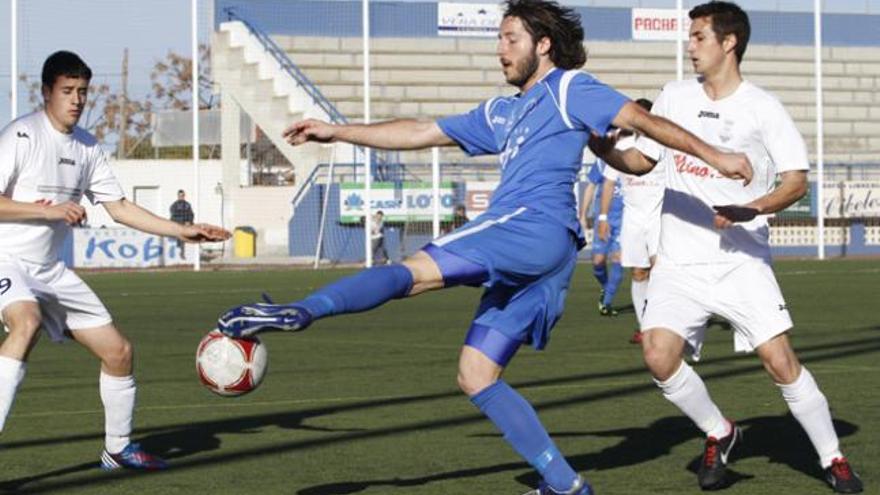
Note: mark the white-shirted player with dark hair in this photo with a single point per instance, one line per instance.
(47, 164)
(640, 230)
(714, 255)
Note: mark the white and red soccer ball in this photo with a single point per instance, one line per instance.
(230, 366)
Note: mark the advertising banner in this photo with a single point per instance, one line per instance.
(399, 201)
(468, 19)
(124, 248)
(658, 24)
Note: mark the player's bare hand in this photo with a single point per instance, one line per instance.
(67, 212)
(203, 232)
(601, 145)
(604, 230)
(727, 215)
(308, 130)
(735, 166)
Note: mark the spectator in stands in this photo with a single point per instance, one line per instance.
(182, 213)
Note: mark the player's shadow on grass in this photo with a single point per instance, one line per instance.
(778, 438)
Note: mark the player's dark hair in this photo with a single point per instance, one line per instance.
(546, 18)
(727, 18)
(64, 63)
(645, 103)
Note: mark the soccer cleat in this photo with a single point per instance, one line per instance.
(713, 466)
(133, 456)
(607, 310)
(842, 478)
(250, 319)
(580, 487)
(636, 337)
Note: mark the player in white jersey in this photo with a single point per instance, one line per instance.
(47, 164)
(714, 255)
(640, 230)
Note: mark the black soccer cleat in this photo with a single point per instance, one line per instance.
(713, 466)
(607, 310)
(842, 478)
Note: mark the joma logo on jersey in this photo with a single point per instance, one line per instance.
(66, 161)
(705, 114)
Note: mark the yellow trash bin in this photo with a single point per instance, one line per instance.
(244, 242)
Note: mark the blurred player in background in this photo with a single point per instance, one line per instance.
(47, 164)
(523, 249)
(606, 246)
(714, 255)
(640, 227)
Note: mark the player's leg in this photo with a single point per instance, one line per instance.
(362, 291)
(22, 320)
(118, 391)
(638, 292)
(482, 360)
(810, 407)
(615, 277)
(674, 317)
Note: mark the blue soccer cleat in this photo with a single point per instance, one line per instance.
(580, 487)
(133, 456)
(250, 319)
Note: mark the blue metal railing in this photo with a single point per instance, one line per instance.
(386, 158)
(288, 66)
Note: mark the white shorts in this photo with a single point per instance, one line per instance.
(681, 298)
(639, 239)
(66, 302)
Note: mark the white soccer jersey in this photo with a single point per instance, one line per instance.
(39, 163)
(642, 195)
(749, 121)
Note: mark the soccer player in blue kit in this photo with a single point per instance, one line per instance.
(606, 233)
(523, 248)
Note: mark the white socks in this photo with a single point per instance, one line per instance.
(810, 408)
(11, 374)
(686, 390)
(118, 395)
(639, 290)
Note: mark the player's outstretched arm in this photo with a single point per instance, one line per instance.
(793, 187)
(401, 134)
(630, 161)
(669, 134)
(132, 215)
(68, 212)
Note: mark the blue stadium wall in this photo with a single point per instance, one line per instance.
(419, 19)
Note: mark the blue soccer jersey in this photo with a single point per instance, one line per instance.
(539, 137)
(615, 210)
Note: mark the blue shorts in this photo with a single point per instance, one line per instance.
(529, 259)
(612, 245)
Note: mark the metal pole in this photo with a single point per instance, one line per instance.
(820, 133)
(197, 262)
(324, 209)
(679, 48)
(13, 59)
(435, 189)
(368, 176)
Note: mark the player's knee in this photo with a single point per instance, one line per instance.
(118, 357)
(783, 367)
(472, 383)
(661, 360)
(24, 325)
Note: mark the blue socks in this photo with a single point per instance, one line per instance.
(601, 274)
(613, 284)
(522, 429)
(359, 292)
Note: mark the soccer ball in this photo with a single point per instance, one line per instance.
(230, 366)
